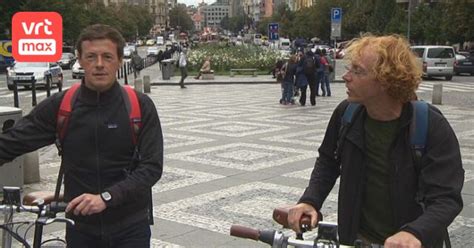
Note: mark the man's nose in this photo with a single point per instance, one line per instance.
(346, 76)
(100, 61)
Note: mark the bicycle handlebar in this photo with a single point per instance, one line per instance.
(280, 215)
(244, 232)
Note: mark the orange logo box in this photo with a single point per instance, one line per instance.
(37, 36)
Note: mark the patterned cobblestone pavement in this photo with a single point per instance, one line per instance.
(232, 154)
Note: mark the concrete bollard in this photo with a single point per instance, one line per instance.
(437, 94)
(146, 84)
(31, 172)
(138, 84)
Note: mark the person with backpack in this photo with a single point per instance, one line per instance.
(289, 72)
(111, 146)
(398, 159)
(325, 81)
(319, 75)
(310, 73)
(137, 64)
(301, 80)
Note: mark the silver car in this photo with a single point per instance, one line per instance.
(436, 61)
(40, 73)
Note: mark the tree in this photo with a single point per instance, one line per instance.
(458, 22)
(381, 15)
(180, 18)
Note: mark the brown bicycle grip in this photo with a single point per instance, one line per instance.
(244, 232)
(280, 215)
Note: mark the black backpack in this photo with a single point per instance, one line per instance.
(308, 66)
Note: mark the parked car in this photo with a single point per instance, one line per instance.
(128, 50)
(152, 51)
(464, 65)
(77, 71)
(67, 60)
(437, 61)
(150, 42)
(40, 73)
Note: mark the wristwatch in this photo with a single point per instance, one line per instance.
(106, 196)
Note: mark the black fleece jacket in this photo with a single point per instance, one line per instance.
(97, 153)
(441, 176)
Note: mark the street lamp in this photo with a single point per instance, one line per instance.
(409, 20)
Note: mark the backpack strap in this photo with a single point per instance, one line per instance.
(64, 113)
(419, 128)
(349, 112)
(133, 108)
(346, 121)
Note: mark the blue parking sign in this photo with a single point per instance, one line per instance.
(273, 31)
(336, 15)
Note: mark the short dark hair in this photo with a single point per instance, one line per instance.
(99, 32)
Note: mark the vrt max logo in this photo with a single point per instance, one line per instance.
(37, 36)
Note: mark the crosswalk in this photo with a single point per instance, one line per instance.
(427, 86)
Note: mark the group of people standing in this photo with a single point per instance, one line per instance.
(303, 69)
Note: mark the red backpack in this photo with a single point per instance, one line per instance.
(131, 101)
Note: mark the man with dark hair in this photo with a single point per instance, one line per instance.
(389, 193)
(107, 174)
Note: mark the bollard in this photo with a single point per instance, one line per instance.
(33, 93)
(16, 102)
(31, 173)
(146, 84)
(49, 83)
(437, 94)
(126, 77)
(139, 85)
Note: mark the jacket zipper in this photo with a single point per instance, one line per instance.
(99, 187)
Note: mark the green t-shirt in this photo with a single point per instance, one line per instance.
(376, 221)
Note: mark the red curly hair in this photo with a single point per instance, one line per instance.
(396, 67)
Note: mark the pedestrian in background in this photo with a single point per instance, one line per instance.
(289, 71)
(137, 64)
(183, 67)
(205, 68)
(326, 88)
(301, 79)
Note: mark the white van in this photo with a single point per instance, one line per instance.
(437, 61)
(284, 44)
(160, 41)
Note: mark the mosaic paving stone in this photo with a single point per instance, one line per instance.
(232, 128)
(243, 156)
(174, 178)
(172, 140)
(308, 138)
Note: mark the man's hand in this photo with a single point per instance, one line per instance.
(295, 213)
(86, 204)
(402, 240)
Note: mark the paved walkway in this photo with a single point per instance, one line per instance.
(232, 154)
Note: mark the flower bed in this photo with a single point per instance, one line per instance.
(225, 57)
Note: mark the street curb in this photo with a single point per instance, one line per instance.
(215, 82)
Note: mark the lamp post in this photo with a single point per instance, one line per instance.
(409, 20)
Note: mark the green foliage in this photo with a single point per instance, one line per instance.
(77, 14)
(179, 18)
(225, 57)
(435, 23)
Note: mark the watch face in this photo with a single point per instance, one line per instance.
(106, 196)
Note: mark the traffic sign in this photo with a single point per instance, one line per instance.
(273, 31)
(336, 15)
